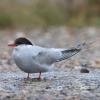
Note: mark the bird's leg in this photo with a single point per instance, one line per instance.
(28, 76)
(39, 76)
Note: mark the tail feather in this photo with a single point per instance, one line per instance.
(73, 51)
(68, 53)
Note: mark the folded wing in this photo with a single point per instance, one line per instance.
(50, 56)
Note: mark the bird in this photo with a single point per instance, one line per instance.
(37, 59)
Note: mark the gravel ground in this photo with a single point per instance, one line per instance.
(67, 81)
(56, 85)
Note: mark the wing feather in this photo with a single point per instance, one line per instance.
(51, 56)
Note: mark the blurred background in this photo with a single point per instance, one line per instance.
(46, 13)
(52, 23)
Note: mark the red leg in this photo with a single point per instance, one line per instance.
(28, 76)
(39, 76)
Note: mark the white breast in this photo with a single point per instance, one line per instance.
(22, 56)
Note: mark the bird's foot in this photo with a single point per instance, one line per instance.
(33, 79)
(39, 78)
(28, 77)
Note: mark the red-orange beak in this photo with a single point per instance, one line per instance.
(12, 45)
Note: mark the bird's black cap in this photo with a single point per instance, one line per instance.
(22, 40)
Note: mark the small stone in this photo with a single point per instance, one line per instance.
(84, 70)
(55, 76)
(48, 87)
(63, 92)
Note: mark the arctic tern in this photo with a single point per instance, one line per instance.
(35, 59)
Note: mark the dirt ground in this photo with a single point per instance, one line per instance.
(67, 81)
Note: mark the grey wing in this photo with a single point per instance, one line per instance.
(68, 53)
(47, 57)
(50, 56)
